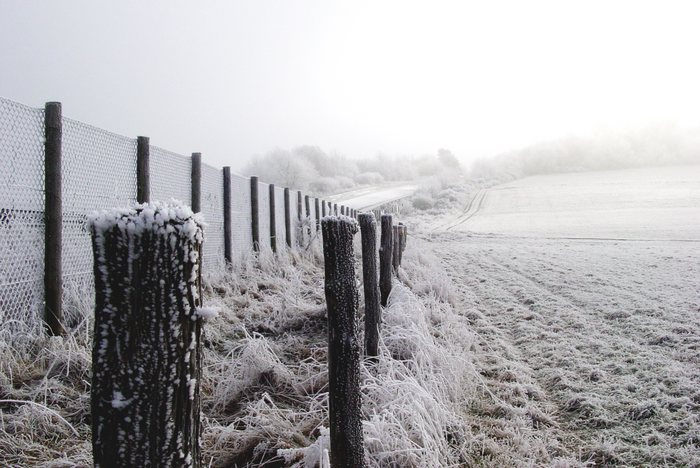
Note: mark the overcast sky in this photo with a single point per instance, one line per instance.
(232, 79)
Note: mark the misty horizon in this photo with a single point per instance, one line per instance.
(400, 79)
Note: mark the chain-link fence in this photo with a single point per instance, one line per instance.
(21, 212)
(99, 171)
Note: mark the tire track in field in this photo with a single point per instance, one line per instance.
(594, 370)
(476, 201)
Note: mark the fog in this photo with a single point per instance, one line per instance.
(238, 79)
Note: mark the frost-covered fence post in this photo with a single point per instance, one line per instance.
(146, 356)
(273, 227)
(300, 215)
(402, 241)
(228, 251)
(196, 178)
(143, 169)
(344, 396)
(368, 231)
(317, 206)
(395, 250)
(307, 205)
(254, 213)
(287, 218)
(386, 249)
(53, 219)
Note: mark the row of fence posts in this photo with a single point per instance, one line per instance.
(53, 214)
(344, 348)
(147, 347)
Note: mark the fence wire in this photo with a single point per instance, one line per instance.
(21, 212)
(98, 172)
(171, 176)
(241, 233)
(213, 211)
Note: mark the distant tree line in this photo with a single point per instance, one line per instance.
(311, 169)
(652, 145)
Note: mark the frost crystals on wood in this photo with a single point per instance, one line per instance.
(368, 228)
(343, 343)
(386, 250)
(147, 347)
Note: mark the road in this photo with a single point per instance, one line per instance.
(367, 198)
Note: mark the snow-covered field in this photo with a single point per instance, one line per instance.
(647, 203)
(590, 285)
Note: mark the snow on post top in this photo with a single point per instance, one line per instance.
(347, 219)
(156, 217)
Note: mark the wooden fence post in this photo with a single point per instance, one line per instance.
(317, 205)
(307, 205)
(53, 219)
(287, 218)
(300, 215)
(335, 209)
(373, 319)
(254, 213)
(196, 178)
(273, 227)
(323, 208)
(143, 170)
(395, 250)
(147, 346)
(402, 241)
(385, 253)
(344, 396)
(228, 251)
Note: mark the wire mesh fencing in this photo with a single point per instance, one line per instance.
(21, 212)
(99, 171)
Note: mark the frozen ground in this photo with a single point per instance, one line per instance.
(590, 284)
(648, 203)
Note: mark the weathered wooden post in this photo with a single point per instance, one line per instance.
(342, 210)
(323, 208)
(386, 249)
(254, 213)
(146, 355)
(395, 250)
(317, 206)
(53, 219)
(307, 205)
(402, 241)
(300, 216)
(228, 251)
(143, 169)
(373, 319)
(273, 227)
(287, 218)
(196, 179)
(343, 343)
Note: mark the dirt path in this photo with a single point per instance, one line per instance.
(608, 330)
